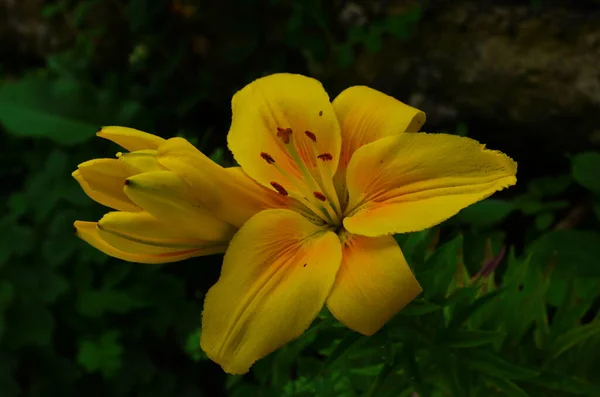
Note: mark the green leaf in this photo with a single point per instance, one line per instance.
(414, 245)
(585, 168)
(62, 110)
(379, 379)
(440, 269)
(102, 355)
(115, 274)
(95, 303)
(192, 346)
(550, 185)
(560, 381)
(34, 107)
(462, 315)
(472, 338)
(485, 213)
(544, 221)
(531, 206)
(572, 338)
(418, 307)
(351, 341)
(572, 251)
(510, 388)
(490, 364)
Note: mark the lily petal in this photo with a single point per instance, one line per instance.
(89, 232)
(366, 115)
(146, 229)
(140, 161)
(411, 182)
(374, 282)
(102, 180)
(169, 198)
(228, 192)
(285, 101)
(276, 276)
(129, 138)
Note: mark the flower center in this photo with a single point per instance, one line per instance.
(315, 188)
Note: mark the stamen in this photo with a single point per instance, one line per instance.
(319, 196)
(312, 136)
(284, 134)
(267, 157)
(280, 189)
(325, 157)
(317, 209)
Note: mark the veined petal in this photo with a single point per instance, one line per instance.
(89, 232)
(102, 180)
(129, 138)
(229, 193)
(276, 275)
(366, 115)
(374, 282)
(169, 198)
(145, 228)
(140, 161)
(299, 107)
(411, 182)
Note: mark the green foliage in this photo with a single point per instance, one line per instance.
(504, 312)
(585, 170)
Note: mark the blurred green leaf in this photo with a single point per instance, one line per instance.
(490, 364)
(561, 381)
(95, 303)
(507, 386)
(351, 341)
(34, 107)
(572, 338)
(414, 245)
(485, 213)
(462, 315)
(102, 355)
(440, 269)
(585, 170)
(549, 185)
(418, 307)
(192, 346)
(472, 338)
(573, 251)
(61, 109)
(544, 221)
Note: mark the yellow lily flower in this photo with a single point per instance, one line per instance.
(321, 189)
(158, 217)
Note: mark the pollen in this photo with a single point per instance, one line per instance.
(284, 134)
(325, 157)
(319, 196)
(312, 136)
(267, 157)
(280, 189)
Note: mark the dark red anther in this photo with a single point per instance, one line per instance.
(284, 134)
(267, 157)
(312, 136)
(325, 157)
(319, 196)
(280, 189)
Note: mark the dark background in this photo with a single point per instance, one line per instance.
(521, 76)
